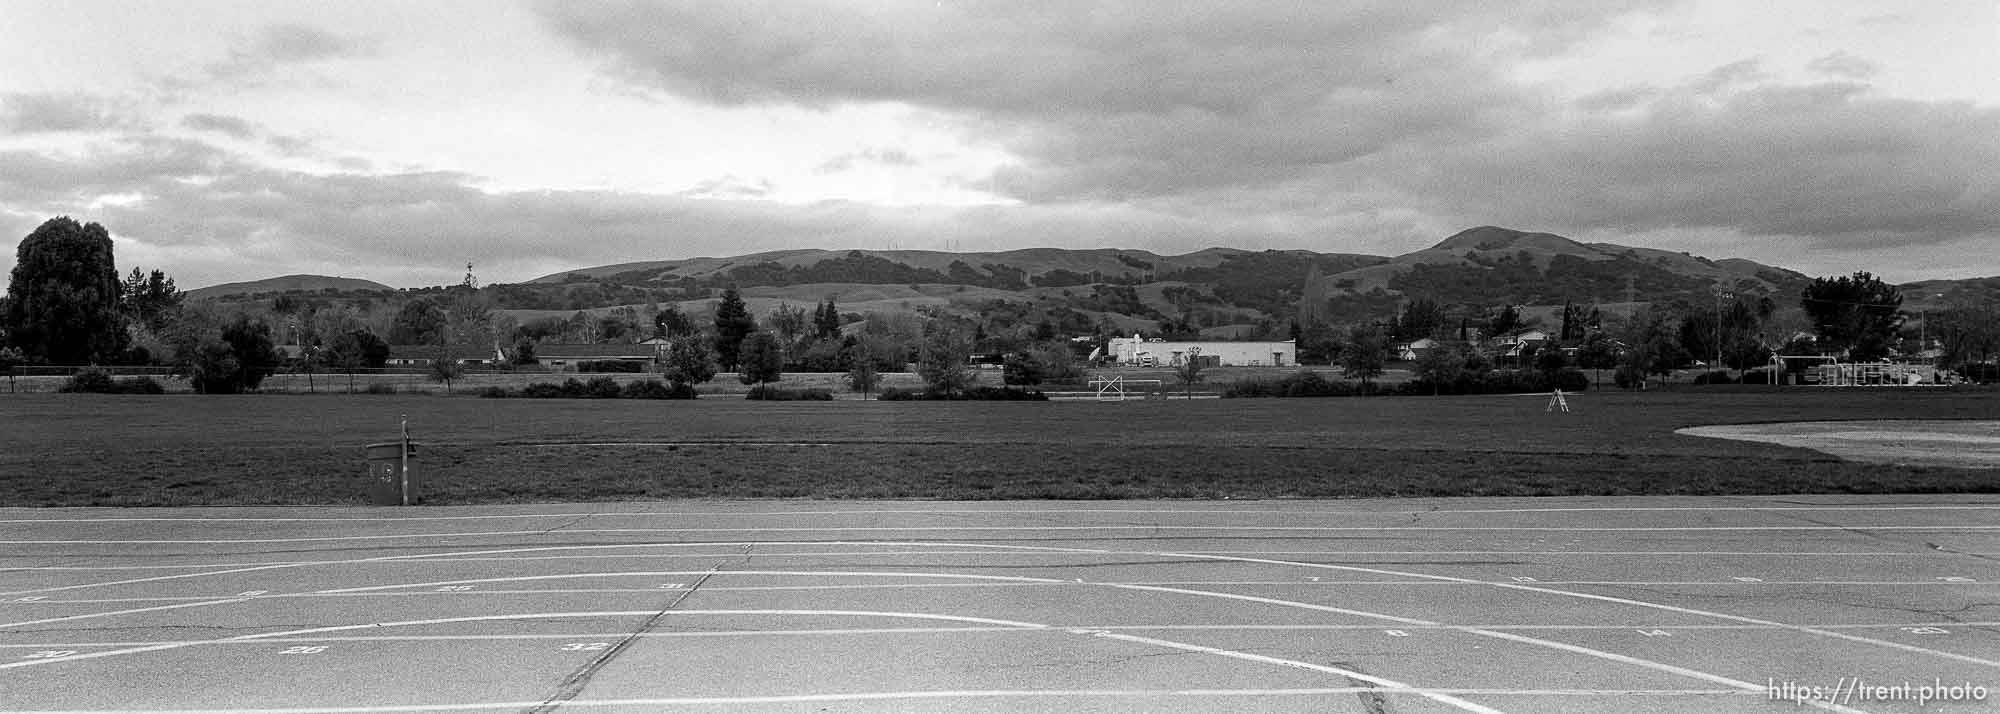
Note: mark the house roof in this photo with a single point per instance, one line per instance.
(594, 351)
(461, 351)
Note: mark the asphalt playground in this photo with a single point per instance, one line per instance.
(1422, 605)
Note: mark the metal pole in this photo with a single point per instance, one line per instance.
(403, 474)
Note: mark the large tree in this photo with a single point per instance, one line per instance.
(732, 323)
(941, 361)
(760, 360)
(1366, 353)
(1967, 335)
(421, 322)
(690, 360)
(63, 295)
(1857, 313)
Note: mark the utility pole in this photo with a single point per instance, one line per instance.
(1719, 297)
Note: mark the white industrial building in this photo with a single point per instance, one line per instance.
(1137, 352)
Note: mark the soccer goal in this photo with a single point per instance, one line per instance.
(1116, 388)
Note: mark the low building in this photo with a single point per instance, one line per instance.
(1135, 351)
(1412, 351)
(566, 357)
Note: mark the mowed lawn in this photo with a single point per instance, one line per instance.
(177, 449)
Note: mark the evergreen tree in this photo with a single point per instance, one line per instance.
(63, 296)
(732, 323)
(826, 321)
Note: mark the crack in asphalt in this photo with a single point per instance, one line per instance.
(576, 681)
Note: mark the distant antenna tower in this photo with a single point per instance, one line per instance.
(470, 282)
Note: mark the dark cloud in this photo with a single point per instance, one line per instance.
(1105, 100)
(208, 216)
(44, 112)
(233, 127)
(1830, 164)
(127, 165)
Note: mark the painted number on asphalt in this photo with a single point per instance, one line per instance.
(1524, 579)
(673, 586)
(304, 649)
(252, 593)
(1926, 630)
(32, 598)
(1958, 580)
(1397, 633)
(454, 588)
(48, 654)
(1748, 580)
(586, 646)
(1656, 633)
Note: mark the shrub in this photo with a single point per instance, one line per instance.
(89, 381)
(1756, 376)
(380, 388)
(1715, 377)
(765, 392)
(495, 393)
(601, 388)
(543, 390)
(655, 389)
(997, 394)
(140, 385)
(1305, 383)
(611, 365)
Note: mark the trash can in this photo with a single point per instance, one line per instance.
(392, 480)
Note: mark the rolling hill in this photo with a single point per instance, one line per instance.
(286, 284)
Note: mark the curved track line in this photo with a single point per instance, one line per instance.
(1575, 649)
(1026, 511)
(1011, 529)
(1386, 684)
(1196, 556)
(1602, 598)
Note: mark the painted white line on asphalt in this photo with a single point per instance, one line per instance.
(1624, 659)
(857, 697)
(1348, 673)
(976, 551)
(1606, 598)
(1278, 511)
(1262, 659)
(875, 631)
(621, 574)
(88, 616)
(1011, 529)
(1743, 686)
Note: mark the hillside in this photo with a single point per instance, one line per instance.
(1218, 291)
(287, 284)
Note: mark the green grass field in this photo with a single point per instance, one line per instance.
(76, 450)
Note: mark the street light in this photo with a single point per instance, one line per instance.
(1719, 297)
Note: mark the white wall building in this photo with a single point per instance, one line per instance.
(1137, 352)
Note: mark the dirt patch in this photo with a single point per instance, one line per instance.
(1956, 443)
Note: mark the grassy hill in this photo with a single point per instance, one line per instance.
(287, 284)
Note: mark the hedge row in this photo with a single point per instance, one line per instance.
(596, 388)
(994, 394)
(768, 393)
(97, 381)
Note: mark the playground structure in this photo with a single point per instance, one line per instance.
(1818, 370)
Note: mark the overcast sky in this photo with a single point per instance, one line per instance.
(396, 141)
